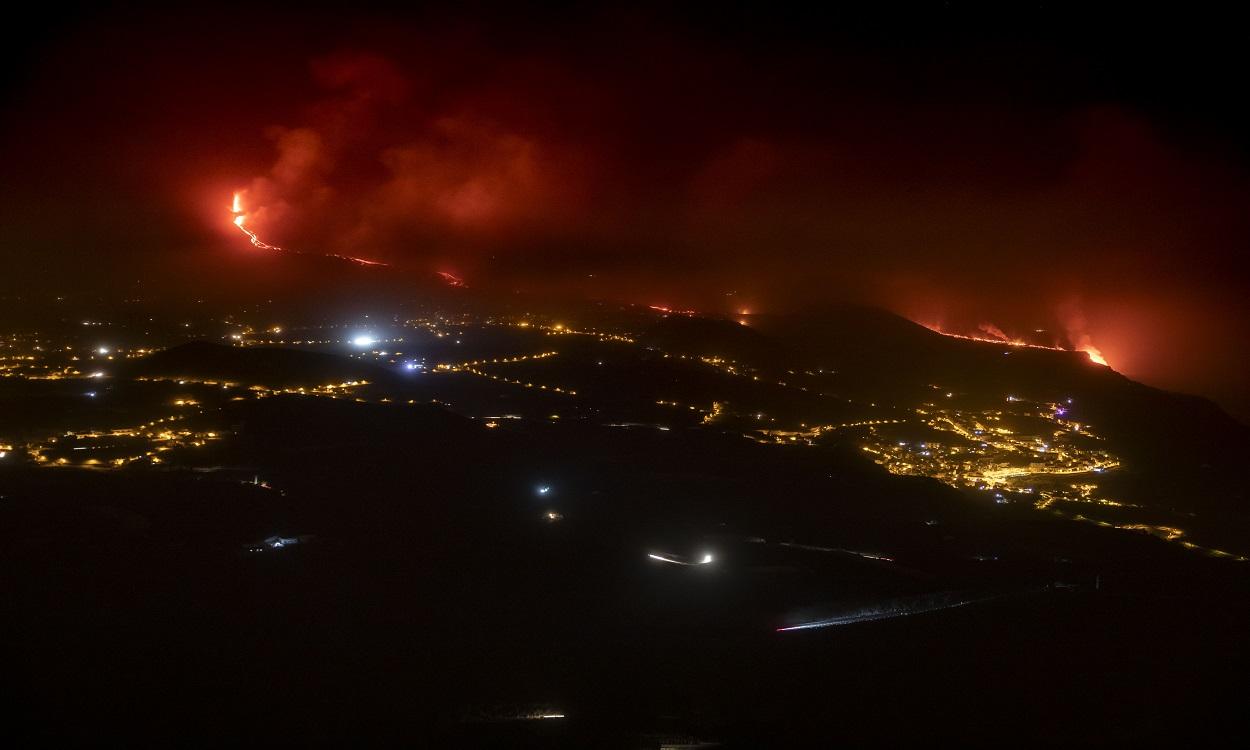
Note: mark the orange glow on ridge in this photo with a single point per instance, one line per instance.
(1091, 351)
(240, 217)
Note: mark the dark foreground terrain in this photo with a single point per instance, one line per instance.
(423, 591)
(675, 532)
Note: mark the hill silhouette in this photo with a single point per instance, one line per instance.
(273, 367)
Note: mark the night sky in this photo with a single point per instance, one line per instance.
(1048, 168)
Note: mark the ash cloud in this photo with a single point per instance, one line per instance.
(374, 171)
(624, 154)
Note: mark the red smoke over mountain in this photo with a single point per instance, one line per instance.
(373, 172)
(619, 155)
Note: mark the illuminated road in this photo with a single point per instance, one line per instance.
(892, 608)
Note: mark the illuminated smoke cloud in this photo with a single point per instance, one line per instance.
(465, 173)
(294, 180)
(993, 330)
(369, 174)
(497, 180)
(1072, 315)
(295, 197)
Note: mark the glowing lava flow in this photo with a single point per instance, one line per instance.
(451, 279)
(670, 311)
(1095, 355)
(1090, 351)
(236, 208)
(240, 218)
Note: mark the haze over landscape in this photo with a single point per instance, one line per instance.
(1050, 169)
(624, 376)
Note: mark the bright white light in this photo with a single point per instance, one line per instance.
(90, 394)
(411, 366)
(278, 542)
(364, 340)
(662, 558)
(102, 350)
(707, 558)
(543, 490)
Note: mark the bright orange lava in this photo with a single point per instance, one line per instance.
(1095, 355)
(236, 208)
(240, 217)
(451, 279)
(1091, 351)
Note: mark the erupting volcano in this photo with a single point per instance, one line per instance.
(240, 219)
(236, 208)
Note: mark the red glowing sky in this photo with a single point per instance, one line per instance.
(957, 170)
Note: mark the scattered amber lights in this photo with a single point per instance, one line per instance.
(1015, 451)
